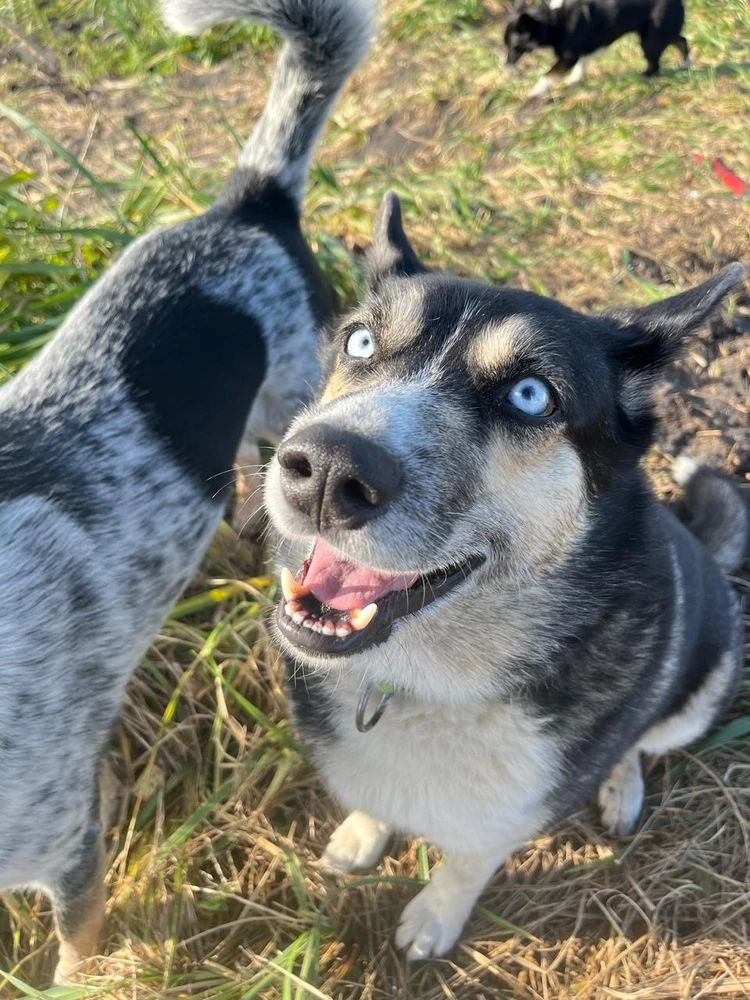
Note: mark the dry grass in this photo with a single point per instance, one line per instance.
(214, 887)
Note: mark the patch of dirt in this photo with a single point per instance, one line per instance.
(704, 404)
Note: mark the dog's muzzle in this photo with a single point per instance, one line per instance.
(341, 482)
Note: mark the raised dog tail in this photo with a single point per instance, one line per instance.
(326, 41)
(717, 513)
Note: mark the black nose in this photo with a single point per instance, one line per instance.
(338, 479)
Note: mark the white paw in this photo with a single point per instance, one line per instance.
(431, 923)
(683, 469)
(577, 74)
(621, 797)
(540, 88)
(359, 843)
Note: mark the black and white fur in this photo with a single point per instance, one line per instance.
(117, 441)
(583, 624)
(576, 30)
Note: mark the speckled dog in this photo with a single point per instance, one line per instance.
(117, 439)
(481, 544)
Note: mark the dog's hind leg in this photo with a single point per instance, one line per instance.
(621, 795)
(701, 709)
(683, 48)
(78, 896)
(653, 49)
(357, 844)
(78, 893)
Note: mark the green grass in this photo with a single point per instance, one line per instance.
(92, 39)
(594, 197)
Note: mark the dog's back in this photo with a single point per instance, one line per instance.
(119, 438)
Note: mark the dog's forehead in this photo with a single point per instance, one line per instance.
(482, 328)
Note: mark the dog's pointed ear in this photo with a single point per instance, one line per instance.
(391, 254)
(648, 338)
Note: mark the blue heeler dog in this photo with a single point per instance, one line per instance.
(116, 441)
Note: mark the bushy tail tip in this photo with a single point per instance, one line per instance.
(335, 31)
(717, 513)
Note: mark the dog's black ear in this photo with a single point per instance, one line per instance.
(528, 21)
(391, 254)
(649, 337)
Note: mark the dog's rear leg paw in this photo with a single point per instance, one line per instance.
(357, 844)
(621, 795)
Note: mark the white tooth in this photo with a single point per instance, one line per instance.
(329, 628)
(308, 623)
(290, 588)
(361, 617)
(317, 625)
(343, 630)
(291, 608)
(299, 616)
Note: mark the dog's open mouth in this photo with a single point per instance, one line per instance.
(335, 607)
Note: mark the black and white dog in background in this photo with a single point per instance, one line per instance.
(115, 443)
(577, 29)
(476, 539)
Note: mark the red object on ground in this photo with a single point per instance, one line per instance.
(727, 177)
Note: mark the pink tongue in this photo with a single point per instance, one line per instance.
(344, 586)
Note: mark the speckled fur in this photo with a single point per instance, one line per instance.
(117, 441)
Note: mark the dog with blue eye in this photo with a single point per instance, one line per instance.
(577, 30)
(488, 616)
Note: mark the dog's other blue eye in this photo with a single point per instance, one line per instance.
(360, 345)
(533, 397)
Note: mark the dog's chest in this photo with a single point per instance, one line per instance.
(466, 778)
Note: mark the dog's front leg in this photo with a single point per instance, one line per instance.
(563, 65)
(357, 844)
(431, 923)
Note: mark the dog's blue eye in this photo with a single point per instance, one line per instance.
(533, 397)
(360, 345)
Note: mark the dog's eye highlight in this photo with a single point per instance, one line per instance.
(533, 397)
(360, 344)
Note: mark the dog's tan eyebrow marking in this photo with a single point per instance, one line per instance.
(499, 344)
(404, 321)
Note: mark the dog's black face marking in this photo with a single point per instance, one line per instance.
(512, 418)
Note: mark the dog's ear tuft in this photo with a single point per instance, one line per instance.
(650, 337)
(391, 254)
